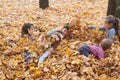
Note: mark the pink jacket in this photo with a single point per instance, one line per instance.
(97, 51)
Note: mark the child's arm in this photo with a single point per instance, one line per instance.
(49, 33)
(100, 57)
(101, 28)
(91, 27)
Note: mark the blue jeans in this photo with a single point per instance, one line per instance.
(85, 50)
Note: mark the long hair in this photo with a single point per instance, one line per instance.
(115, 21)
(25, 28)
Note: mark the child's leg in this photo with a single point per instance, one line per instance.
(85, 50)
(85, 53)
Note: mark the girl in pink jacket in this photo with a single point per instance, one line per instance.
(96, 50)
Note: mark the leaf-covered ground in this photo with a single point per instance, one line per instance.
(64, 63)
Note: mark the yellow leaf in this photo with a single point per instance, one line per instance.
(77, 61)
(68, 51)
(24, 39)
(32, 69)
(37, 74)
(113, 79)
(103, 77)
(19, 57)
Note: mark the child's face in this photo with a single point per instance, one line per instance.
(31, 30)
(64, 31)
(107, 25)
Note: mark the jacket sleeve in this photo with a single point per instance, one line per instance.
(100, 57)
(101, 28)
(49, 33)
(111, 34)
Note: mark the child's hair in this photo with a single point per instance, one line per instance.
(106, 44)
(115, 22)
(66, 26)
(25, 28)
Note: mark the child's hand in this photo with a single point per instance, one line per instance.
(56, 38)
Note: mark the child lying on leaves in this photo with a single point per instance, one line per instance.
(55, 38)
(52, 37)
(96, 50)
(63, 32)
(111, 26)
(56, 35)
(28, 29)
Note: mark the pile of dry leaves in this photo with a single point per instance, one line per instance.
(64, 63)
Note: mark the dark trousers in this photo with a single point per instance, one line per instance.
(85, 50)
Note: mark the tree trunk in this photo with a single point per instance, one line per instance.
(117, 13)
(111, 7)
(43, 4)
(114, 8)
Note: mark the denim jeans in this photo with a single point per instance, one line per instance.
(85, 50)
